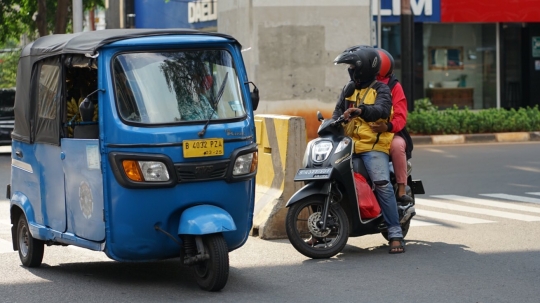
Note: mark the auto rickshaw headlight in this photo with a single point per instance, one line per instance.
(150, 171)
(245, 164)
(154, 171)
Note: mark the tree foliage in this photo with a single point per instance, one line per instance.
(8, 64)
(37, 18)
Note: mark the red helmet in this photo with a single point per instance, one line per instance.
(387, 63)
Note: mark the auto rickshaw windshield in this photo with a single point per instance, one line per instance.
(173, 87)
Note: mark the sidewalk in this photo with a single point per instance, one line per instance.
(476, 138)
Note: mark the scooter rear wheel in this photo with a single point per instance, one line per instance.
(212, 274)
(304, 233)
(30, 249)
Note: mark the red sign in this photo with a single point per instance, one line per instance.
(490, 11)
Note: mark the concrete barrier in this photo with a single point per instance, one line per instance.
(282, 142)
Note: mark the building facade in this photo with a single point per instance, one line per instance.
(476, 53)
(479, 53)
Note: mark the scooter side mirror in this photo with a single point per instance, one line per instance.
(319, 116)
(86, 109)
(348, 90)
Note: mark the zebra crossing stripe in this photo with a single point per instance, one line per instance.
(491, 203)
(449, 217)
(5, 222)
(5, 246)
(474, 210)
(537, 194)
(513, 198)
(418, 223)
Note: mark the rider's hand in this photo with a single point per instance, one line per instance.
(378, 127)
(352, 112)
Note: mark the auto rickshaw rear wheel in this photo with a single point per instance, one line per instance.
(212, 274)
(30, 249)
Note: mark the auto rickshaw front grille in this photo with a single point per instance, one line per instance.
(202, 171)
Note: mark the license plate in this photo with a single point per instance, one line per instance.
(203, 148)
(311, 174)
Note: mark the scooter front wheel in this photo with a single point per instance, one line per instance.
(212, 274)
(305, 231)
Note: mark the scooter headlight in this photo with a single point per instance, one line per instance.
(321, 150)
(149, 171)
(305, 160)
(341, 146)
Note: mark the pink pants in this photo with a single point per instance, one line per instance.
(399, 159)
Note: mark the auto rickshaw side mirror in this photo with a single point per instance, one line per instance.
(86, 109)
(254, 97)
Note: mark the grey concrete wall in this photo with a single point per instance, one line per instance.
(289, 48)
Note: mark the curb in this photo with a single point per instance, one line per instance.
(476, 138)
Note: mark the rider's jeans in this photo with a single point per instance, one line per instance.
(378, 169)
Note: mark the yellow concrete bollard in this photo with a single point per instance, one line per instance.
(281, 142)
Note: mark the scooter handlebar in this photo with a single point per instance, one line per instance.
(339, 120)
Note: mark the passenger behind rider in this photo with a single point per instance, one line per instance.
(365, 100)
(401, 147)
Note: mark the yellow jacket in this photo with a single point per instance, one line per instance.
(373, 101)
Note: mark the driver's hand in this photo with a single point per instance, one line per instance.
(378, 127)
(351, 112)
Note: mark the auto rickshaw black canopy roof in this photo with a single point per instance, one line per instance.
(84, 43)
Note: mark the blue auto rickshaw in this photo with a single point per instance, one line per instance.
(136, 142)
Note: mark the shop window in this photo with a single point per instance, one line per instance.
(445, 57)
(460, 64)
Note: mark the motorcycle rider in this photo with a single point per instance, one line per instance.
(365, 100)
(402, 145)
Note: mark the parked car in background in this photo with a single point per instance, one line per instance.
(7, 118)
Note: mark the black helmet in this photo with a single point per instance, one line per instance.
(364, 62)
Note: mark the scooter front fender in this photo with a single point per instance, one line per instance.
(310, 189)
(205, 219)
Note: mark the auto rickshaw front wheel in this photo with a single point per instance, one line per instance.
(212, 274)
(30, 249)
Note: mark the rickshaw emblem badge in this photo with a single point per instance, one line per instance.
(85, 200)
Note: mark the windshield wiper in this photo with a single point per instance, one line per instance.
(214, 105)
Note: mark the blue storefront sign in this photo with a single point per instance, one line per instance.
(195, 14)
(423, 10)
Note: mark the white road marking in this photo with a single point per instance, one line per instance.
(5, 149)
(450, 217)
(474, 210)
(537, 194)
(513, 198)
(417, 223)
(5, 222)
(491, 203)
(5, 246)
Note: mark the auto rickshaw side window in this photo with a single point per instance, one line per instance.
(47, 94)
(49, 80)
(81, 80)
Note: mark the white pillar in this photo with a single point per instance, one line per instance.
(77, 16)
(379, 25)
